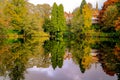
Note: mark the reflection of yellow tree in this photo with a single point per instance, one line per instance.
(38, 58)
(87, 58)
(81, 53)
(15, 56)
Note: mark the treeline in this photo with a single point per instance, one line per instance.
(80, 25)
(19, 17)
(108, 20)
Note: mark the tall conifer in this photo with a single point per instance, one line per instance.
(82, 5)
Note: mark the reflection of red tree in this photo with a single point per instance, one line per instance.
(117, 52)
(108, 70)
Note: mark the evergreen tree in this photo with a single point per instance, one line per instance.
(58, 20)
(54, 18)
(61, 18)
(82, 5)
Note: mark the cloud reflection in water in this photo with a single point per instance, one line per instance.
(69, 71)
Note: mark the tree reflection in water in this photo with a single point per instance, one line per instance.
(16, 55)
(110, 57)
(56, 49)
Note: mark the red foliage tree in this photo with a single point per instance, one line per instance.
(105, 6)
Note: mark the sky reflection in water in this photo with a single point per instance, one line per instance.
(69, 71)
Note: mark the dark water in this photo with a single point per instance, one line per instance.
(63, 59)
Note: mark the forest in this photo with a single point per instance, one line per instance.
(21, 18)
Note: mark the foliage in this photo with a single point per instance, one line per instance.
(54, 18)
(82, 5)
(81, 22)
(20, 17)
(58, 25)
(87, 15)
(61, 19)
(109, 16)
(80, 50)
(47, 26)
(16, 11)
(56, 50)
(110, 55)
(19, 52)
(77, 21)
(117, 24)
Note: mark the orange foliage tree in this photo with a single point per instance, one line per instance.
(105, 8)
(117, 24)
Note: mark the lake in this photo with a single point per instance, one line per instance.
(65, 59)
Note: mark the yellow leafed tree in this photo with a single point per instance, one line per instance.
(87, 16)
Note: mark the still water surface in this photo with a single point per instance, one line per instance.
(47, 59)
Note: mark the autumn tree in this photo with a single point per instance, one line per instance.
(36, 16)
(82, 20)
(3, 19)
(105, 5)
(21, 17)
(109, 17)
(117, 24)
(87, 16)
(16, 10)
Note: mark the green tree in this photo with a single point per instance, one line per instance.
(61, 18)
(82, 5)
(54, 18)
(56, 50)
(57, 24)
(47, 26)
(77, 22)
